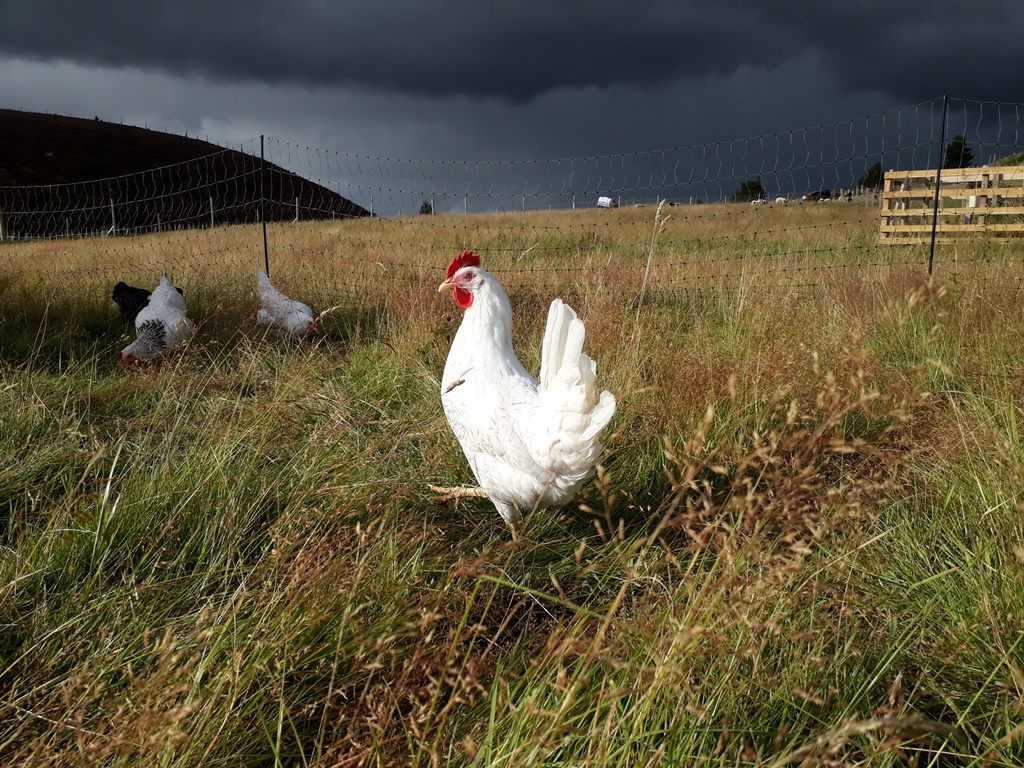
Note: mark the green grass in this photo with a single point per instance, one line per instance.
(805, 547)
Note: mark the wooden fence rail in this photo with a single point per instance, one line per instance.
(985, 203)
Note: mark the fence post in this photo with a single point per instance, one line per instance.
(465, 204)
(113, 221)
(296, 210)
(211, 211)
(524, 202)
(574, 201)
(263, 218)
(938, 181)
(2, 235)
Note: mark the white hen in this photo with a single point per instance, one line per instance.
(529, 444)
(161, 326)
(278, 311)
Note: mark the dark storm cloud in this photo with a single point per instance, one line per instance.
(517, 51)
(915, 50)
(506, 50)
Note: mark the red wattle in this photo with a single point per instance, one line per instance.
(463, 298)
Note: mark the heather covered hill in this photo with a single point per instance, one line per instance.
(66, 175)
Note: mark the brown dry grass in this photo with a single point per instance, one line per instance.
(802, 549)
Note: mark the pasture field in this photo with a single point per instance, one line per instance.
(804, 546)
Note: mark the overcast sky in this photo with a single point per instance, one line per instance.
(480, 80)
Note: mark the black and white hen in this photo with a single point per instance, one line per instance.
(161, 326)
(130, 300)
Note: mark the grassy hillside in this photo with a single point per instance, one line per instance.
(804, 547)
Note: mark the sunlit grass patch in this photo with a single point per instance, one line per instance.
(804, 546)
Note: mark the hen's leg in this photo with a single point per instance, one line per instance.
(510, 514)
(456, 493)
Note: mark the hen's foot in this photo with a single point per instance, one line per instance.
(456, 493)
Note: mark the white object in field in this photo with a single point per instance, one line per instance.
(288, 316)
(529, 444)
(161, 326)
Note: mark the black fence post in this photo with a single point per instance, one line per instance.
(938, 182)
(262, 201)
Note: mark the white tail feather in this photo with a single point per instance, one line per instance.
(167, 295)
(568, 387)
(263, 284)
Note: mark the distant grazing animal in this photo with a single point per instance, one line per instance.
(130, 300)
(530, 444)
(161, 326)
(278, 311)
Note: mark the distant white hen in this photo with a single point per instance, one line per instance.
(529, 444)
(161, 326)
(278, 311)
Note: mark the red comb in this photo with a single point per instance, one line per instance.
(464, 259)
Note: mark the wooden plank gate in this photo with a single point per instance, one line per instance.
(984, 203)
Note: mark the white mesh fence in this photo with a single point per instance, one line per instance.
(801, 205)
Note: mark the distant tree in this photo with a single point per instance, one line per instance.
(872, 179)
(751, 189)
(427, 208)
(958, 154)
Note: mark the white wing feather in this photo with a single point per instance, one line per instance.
(279, 311)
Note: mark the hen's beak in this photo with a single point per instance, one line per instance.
(447, 285)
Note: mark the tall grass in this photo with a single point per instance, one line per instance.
(804, 546)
